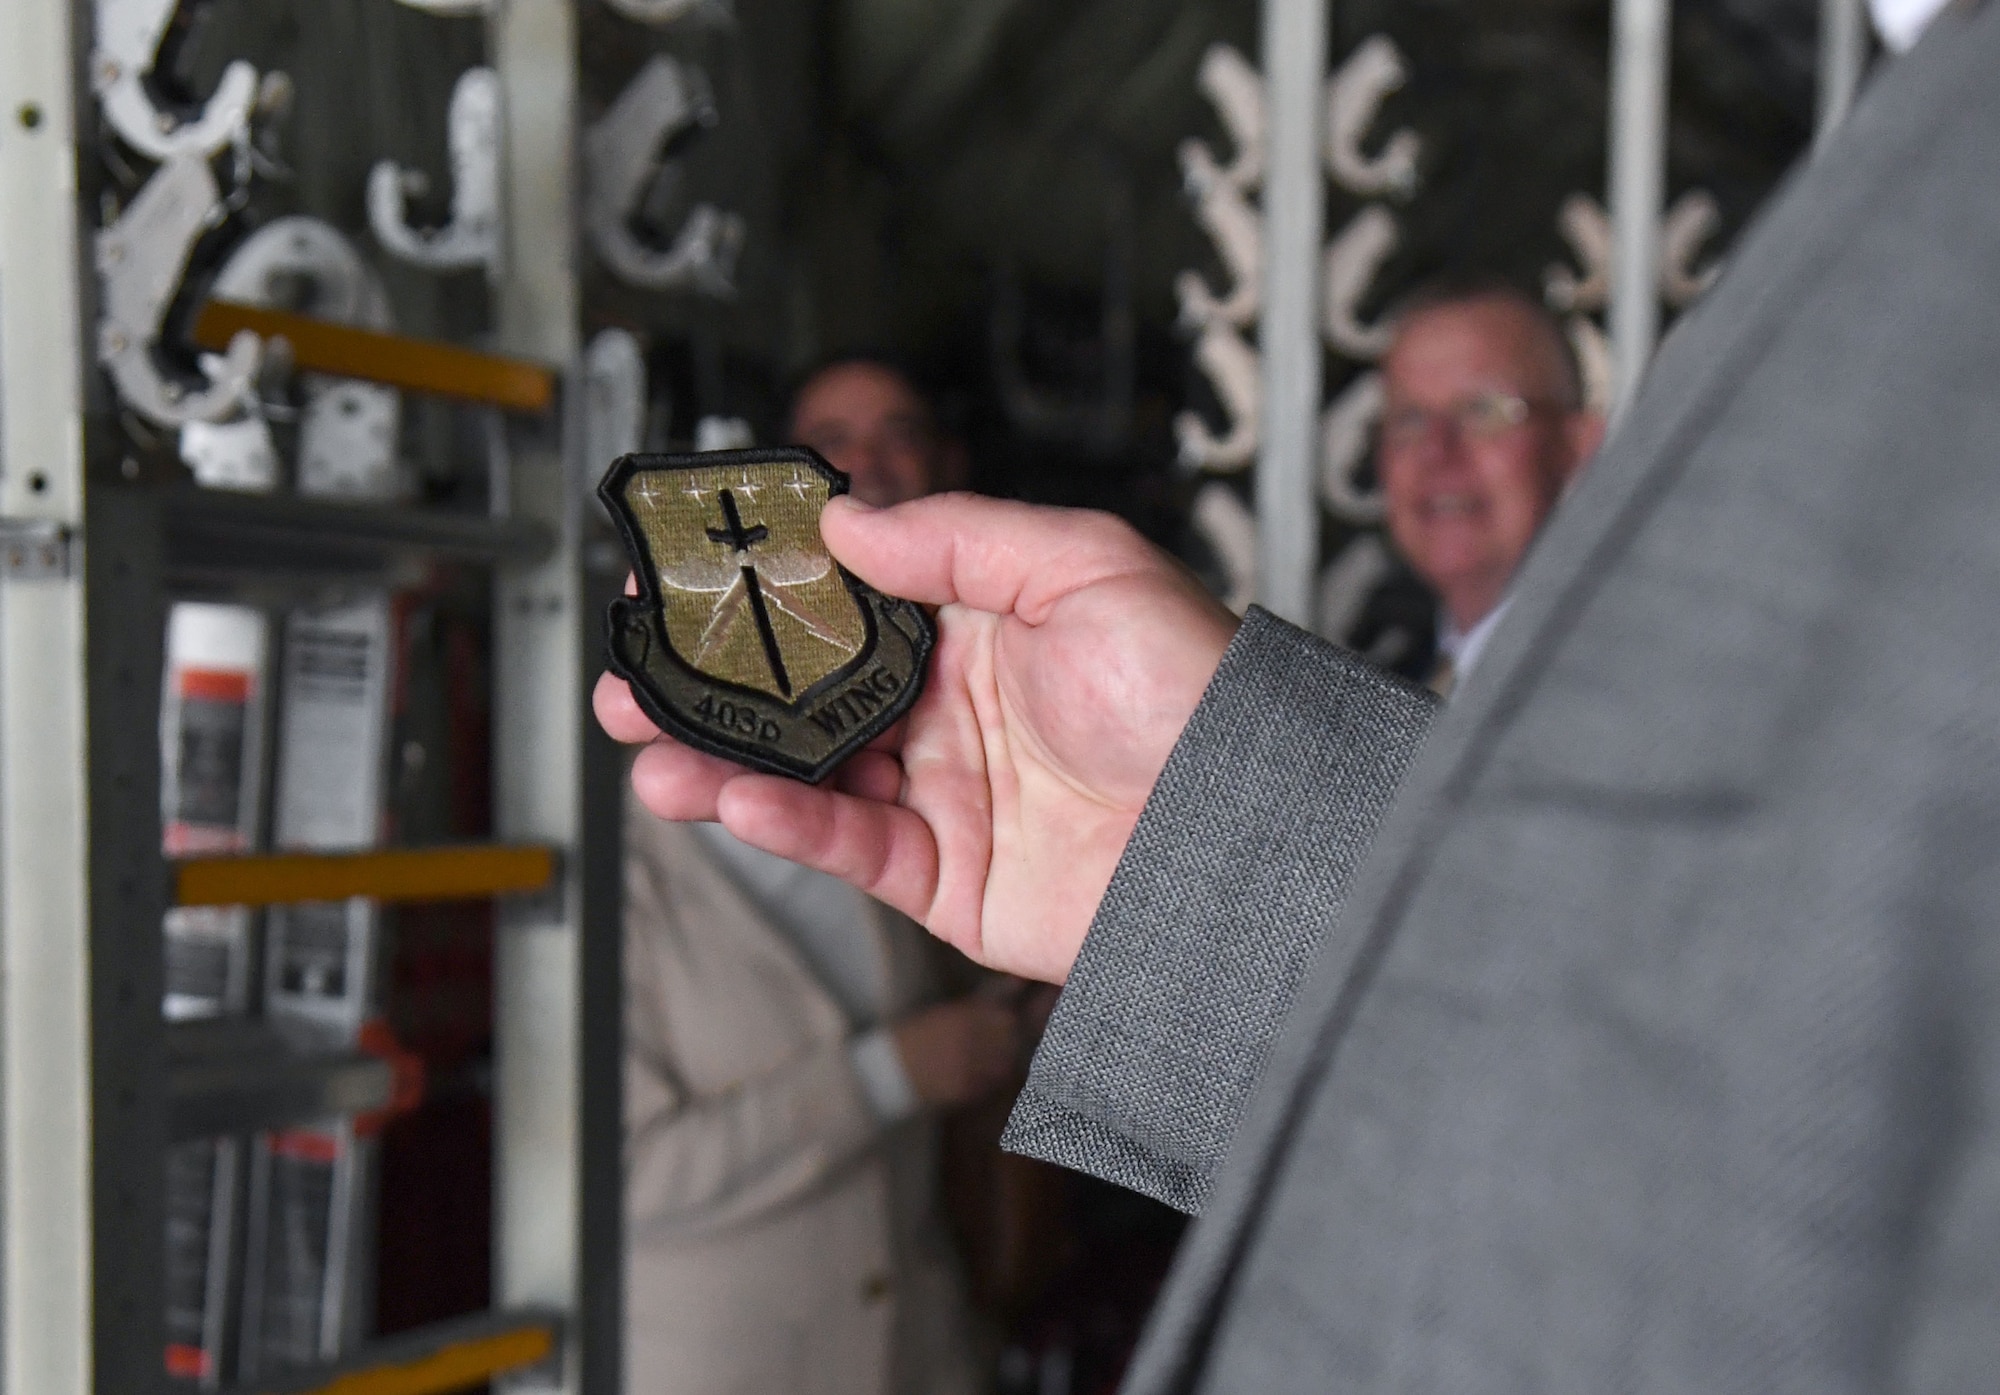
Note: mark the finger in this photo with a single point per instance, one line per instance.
(618, 712)
(883, 849)
(678, 782)
(890, 740)
(992, 554)
(871, 775)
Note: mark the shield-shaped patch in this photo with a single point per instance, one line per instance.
(746, 638)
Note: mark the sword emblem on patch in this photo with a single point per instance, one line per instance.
(746, 638)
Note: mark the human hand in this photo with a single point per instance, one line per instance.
(959, 1051)
(1070, 655)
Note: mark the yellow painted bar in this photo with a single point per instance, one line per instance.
(415, 365)
(451, 1368)
(401, 874)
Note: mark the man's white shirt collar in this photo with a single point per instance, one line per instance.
(1464, 649)
(1902, 22)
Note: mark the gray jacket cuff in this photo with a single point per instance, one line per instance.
(1225, 895)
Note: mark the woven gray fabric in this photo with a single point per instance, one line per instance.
(1662, 1052)
(1212, 918)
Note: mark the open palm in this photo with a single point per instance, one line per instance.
(1070, 656)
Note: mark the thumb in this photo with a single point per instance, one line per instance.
(994, 555)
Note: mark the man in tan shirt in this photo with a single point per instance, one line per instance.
(786, 1052)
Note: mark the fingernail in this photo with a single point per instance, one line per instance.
(849, 501)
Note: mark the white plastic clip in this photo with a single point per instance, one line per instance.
(141, 261)
(1221, 519)
(1236, 91)
(1232, 367)
(621, 159)
(1221, 193)
(127, 50)
(667, 11)
(1344, 428)
(1352, 260)
(614, 380)
(472, 237)
(1690, 223)
(129, 34)
(1237, 230)
(1587, 230)
(1346, 585)
(1354, 98)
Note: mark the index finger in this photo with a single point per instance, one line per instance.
(995, 555)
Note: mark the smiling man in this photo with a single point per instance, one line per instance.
(1483, 427)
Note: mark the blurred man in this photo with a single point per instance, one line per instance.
(785, 1053)
(871, 423)
(1483, 427)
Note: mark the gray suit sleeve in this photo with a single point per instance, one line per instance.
(1225, 895)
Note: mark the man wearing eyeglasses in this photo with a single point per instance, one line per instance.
(1483, 427)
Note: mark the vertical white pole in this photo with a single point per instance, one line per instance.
(1295, 39)
(1843, 56)
(1640, 52)
(46, 1285)
(539, 708)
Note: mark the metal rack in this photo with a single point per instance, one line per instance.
(95, 1085)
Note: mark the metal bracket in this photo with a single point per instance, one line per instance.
(34, 549)
(472, 237)
(622, 160)
(141, 260)
(129, 35)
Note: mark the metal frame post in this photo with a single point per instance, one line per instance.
(1294, 56)
(543, 1136)
(1843, 58)
(1641, 50)
(46, 1290)
(125, 644)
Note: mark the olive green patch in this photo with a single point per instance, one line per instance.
(747, 639)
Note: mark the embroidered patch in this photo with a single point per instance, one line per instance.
(746, 638)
